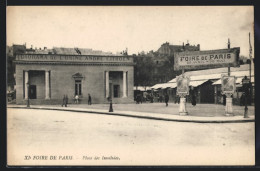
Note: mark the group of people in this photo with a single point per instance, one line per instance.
(165, 98)
(76, 100)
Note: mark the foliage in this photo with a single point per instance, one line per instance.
(143, 71)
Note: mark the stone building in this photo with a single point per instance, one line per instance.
(163, 60)
(46, 75)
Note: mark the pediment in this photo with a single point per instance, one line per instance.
(77, 75)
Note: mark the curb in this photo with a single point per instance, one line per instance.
(138, 116)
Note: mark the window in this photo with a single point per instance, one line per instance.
(78, 83)
(78, 87)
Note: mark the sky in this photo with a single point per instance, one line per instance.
(115, 28)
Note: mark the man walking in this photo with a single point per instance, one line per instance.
(193, 96)
(89, 99)
(166, 98)
(63, 101)
(66, 100)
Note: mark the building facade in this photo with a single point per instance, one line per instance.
(46, 78)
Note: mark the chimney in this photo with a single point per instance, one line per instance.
(31, 46)
(45, 48)
(198, 46)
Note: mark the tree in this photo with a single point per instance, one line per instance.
(143, 70)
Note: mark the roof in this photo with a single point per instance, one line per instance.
(217, 72)
(80, 51)
(201, 76)
(238, 81)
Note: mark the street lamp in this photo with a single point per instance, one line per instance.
(246, 83)
(28, 102)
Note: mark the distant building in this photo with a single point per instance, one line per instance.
(163, 59)
(167, 50)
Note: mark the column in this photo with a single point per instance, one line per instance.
(107, 84)
(124, 84)
(47, 85)
(26, 80)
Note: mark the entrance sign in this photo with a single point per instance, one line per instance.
(228, 84)
(206, 59)
(73, 58)
(183, 85)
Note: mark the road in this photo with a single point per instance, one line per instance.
(44, 137)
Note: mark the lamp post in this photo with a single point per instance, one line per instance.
(246, 83)
(28, 101)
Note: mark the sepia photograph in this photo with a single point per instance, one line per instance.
(130, 85)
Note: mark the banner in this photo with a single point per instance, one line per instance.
(206, 59)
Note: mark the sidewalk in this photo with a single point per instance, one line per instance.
(201, 113)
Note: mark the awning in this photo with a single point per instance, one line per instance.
(164, 85)
(217, 82)
(156, 86)
(142, 88)
(197, 83)
(238, 81)
(169, 85)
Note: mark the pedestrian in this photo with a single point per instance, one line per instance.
(166, 99)
(224, 99)
(193, 96)
(66, 100)
(138, 98)
(76, 99)
(89, 99)
(151, 98)
(63, 101)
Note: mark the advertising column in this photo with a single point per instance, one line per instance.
(228, 86)
(183, 91)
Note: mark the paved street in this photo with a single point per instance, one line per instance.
(121, 140)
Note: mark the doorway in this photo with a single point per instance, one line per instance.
(116, 91)
(32, 92)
